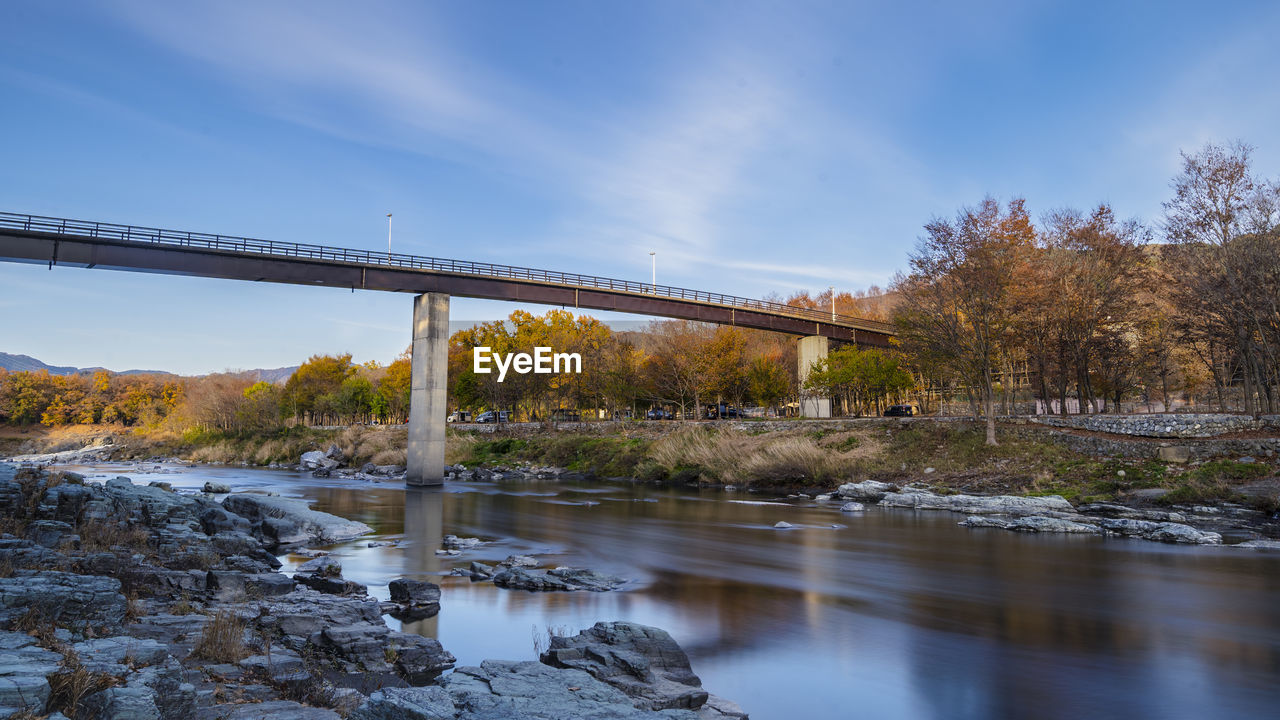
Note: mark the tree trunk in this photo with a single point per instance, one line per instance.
(988, 393)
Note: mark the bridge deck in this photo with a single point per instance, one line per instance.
(37, 239)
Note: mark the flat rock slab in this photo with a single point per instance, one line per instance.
(275, 710)
(295, 521)
(1034, 523)
(1259, 545)
(66, 599)
(561, 579)
(533, 691)
(978, 504)
(870, 491)
(1146, 529)
(24, 669)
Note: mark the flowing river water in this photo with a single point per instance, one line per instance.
(880, 614)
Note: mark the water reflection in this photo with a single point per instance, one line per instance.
(880, 614)
(424, 523)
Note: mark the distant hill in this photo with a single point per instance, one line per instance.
(21, 363)
(12, 362)
(271, 375)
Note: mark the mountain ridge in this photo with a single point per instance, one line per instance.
(25, 363)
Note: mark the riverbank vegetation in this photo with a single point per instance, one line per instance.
(948, 457)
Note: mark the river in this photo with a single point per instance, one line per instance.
(880, 614)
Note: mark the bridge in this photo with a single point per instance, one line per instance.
(88, 244)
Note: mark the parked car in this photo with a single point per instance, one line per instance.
(458, 416)
(902, 411)
(715, 412)
(565, 415)
(658, 414)
(490, 416)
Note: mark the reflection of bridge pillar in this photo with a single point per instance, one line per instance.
(812, 349)
(424, 529)
(428, 389)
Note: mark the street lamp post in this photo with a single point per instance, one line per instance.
(832, 288)
(653, 280)
(388, 233)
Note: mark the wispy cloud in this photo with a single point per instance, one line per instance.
(665, 174)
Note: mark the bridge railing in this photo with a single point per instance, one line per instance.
(229, 243)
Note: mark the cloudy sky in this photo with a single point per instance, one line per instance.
(758, 148)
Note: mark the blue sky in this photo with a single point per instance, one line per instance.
(757, 147)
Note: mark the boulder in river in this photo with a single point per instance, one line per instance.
(325, 574)
(868, 491)
(1259, 545)
(216, 488)
(414, 599)
(1032, 523)
(453, 542)
(507, 689)
(317, 460)
(978, 504)
(285, 521)
(1161, 532)
(562, 579)
(643, 662)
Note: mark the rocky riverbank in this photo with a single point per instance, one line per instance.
(134, 601)
(1195, 525)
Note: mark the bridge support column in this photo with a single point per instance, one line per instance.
(810, 350)
(428, 389)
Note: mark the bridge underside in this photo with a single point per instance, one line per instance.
(141, 257)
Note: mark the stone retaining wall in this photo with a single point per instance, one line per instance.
(1163, 426)
(605, 427)
(1195, 448)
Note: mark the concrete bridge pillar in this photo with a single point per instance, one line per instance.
(812, 349)
(428, 389)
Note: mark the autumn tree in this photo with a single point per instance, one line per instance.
(956, 303)
(767, 381)
(1223, 222)
(312, 387)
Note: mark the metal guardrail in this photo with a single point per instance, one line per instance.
(228, 243)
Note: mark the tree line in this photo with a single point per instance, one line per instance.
(1087, 308)
(1077, 312)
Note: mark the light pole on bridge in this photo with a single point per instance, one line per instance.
(654, 277)
(388, 233)
(832, 288)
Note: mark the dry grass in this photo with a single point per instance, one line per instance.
(43, 439)
(391, 457)
(728, 456)
(72, 684)
(98, 536)
(133, 608)
(37, 622)
(458, 447)
(375, 444)
(13, 526)
(220, 453)
(183, 606)
(222, 640)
